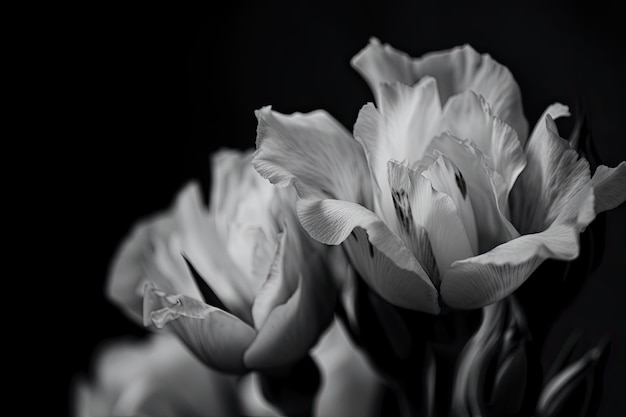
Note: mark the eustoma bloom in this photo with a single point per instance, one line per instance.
(439, 195)
(240, 283)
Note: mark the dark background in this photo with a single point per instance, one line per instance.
(155, 90)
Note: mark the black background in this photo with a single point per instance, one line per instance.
(155, 89)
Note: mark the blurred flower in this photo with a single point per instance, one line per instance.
(442, 196)
(240, 283)
(153, 377)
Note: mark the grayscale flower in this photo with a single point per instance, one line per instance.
(439, 198)
(239, 282)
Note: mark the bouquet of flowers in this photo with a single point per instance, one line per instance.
(378, 272)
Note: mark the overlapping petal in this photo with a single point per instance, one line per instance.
(400, 129)
(202, 246)
(467, 115)
(556, 184)
(429, 219)
(378, 254)
(150, 251)
(456, 70)
(552, 203)
(312, 151)
(486, 278)
(329, 171)
(216, 337)
(480, 179)
(293, 327)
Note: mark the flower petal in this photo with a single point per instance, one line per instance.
(378, 63)
(252, 402)
(420, 207)
(379, 255)
(351, 386)
(609, 187)
(456, 70)
(400, 129)
(468, 116)
(555, 111)
(127, 274)
(484, 279)
(152, 251)
(217, 338)
(312, 151)
(445, 177)
(291, 329)
(157, 376)
(275, 290)
(202, 246)
(555, 186)
(483, 190)
(241, 204)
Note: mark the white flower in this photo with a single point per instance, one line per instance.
(153, 377)
(240, 283)
(441, 196)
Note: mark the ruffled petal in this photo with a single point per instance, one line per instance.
(468, 116)
(481, 181)
(400, 129)
(378, 63)
(152, 251)
(555, 186)
(378, 254)
(609, 187)
(429, 221)
(484, 279)
(462, 68)
(217, 338)
(127, 274)
(314, 153)
(456, 70)
(292, 328)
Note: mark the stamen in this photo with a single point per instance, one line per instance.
(403, 208)
(460, 182)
